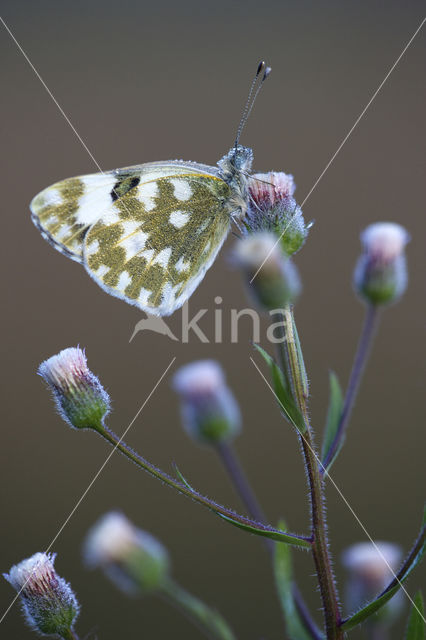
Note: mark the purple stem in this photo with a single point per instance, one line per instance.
(361, 357)
(240, 481)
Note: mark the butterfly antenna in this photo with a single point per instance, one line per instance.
(262, 73)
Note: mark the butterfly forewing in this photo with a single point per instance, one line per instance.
(64, 211)
(155, 242)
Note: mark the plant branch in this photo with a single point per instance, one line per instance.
(229, 515)
(368, 332)
(316, 486)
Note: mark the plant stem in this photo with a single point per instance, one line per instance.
(256, 527)
(320, 543)
(240, 481)
(320, 550)
(368, 332)
(207, 619)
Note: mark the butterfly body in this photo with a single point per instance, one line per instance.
(147, 234)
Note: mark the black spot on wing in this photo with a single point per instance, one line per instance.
(123, 186)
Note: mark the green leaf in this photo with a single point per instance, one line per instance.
(273, 534)
(284, 580)
(182, 478)
(413, 559)
(283, 394)
(416, 623)
(334, 414)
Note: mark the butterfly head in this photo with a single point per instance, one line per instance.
(238, 160)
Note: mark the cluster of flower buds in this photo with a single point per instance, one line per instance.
(48, 602)
(133, 559)
(210, 413)
(273, 208)
(380, 275)
(370, 569)
(271, 276)
(79, 396)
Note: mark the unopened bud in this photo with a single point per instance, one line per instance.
(380, 275)
(133, 559)
(272, 207)
(79, 396)
(48, 602)
(371, 567)
(210, 413)
(271, 276)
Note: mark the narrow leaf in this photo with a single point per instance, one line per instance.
(413, 559)
(284, 580)
(416, 621)
(335, 408)
(283, 394)
(273, 534)
(182, 478)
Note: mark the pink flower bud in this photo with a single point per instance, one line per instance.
(272, 208)
(380, 275)
(48, 602)
(79, 396)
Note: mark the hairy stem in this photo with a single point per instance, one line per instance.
(256, 527)
(319, 540)
(240, 481)
(368, 332)
(320, 549)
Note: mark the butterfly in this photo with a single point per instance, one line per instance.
(148, 233)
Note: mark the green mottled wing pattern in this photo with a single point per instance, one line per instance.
(146, 234)
(155, 243)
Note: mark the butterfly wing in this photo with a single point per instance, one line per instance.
(154, 244)
(65, 211)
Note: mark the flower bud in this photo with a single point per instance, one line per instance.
(370, 567)
(273, 208)
(48, 602)
(79, 396)
(380, 275)
(133, 559)
(210, 413)
(271, 276)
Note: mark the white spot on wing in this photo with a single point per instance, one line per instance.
(179, 219)
(163, 257)
(93, 247)
(102, 271)
(181, 265)
(134, 244)
(148, 254)
(111, 217)
(143, 296)
(146, 193)
(95, 200)
(130, 226)
(123, 281)
(182, 188)
(52, 197)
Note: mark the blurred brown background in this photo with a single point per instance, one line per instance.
(144, 82)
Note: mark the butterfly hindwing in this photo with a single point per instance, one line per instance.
(154, 243)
